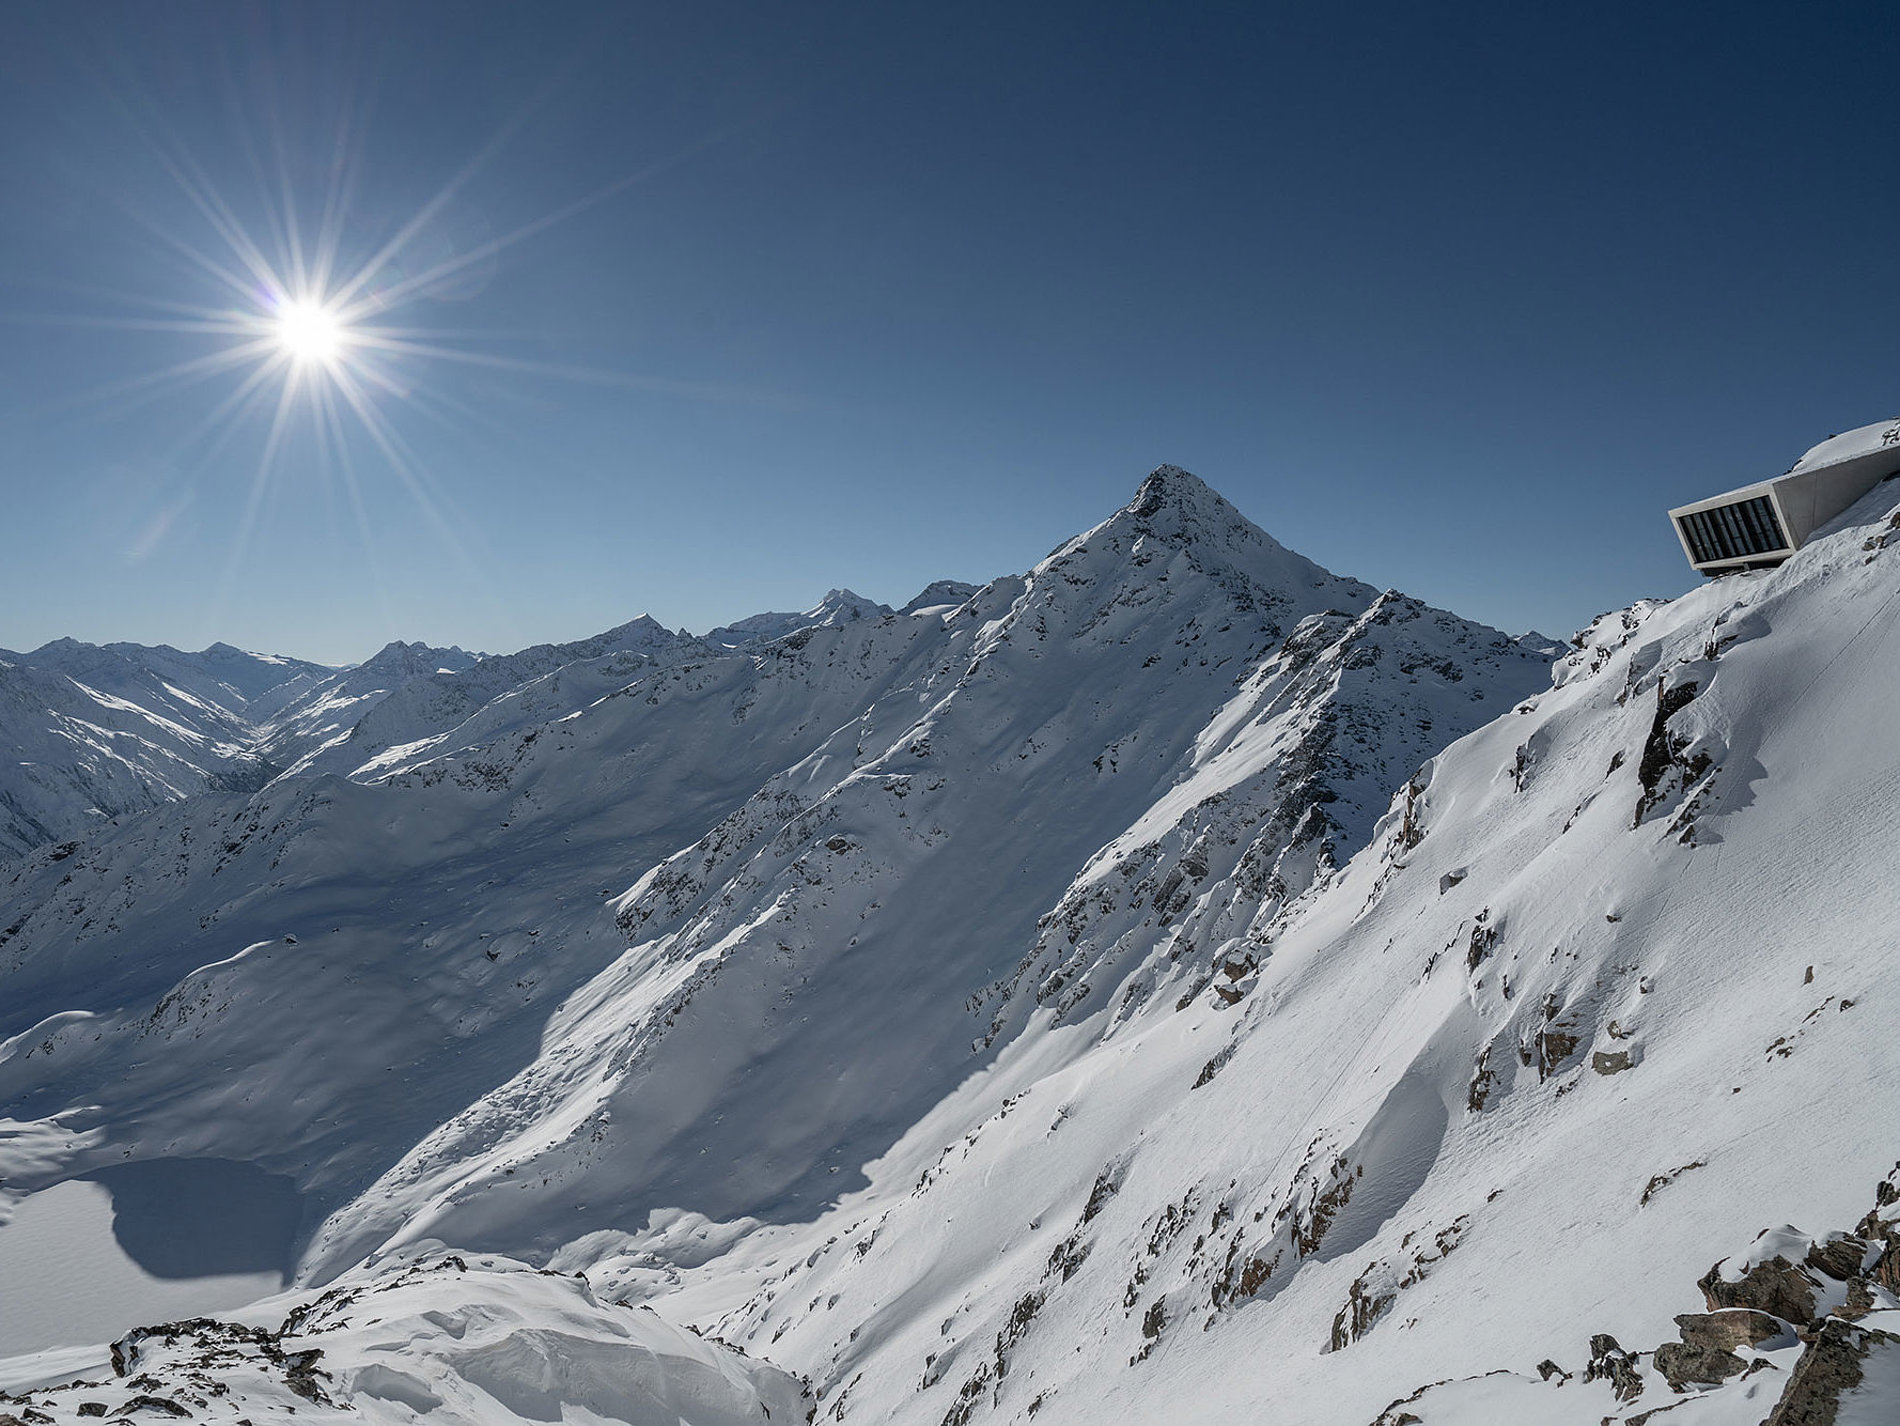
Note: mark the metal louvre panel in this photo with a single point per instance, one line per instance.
(1696, 529)
(1697, 538)
(1737, 531)
(1771, 522)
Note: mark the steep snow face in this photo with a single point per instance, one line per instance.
(1608, 990)
(1282, 785)
(860, 916)
(460, 1340)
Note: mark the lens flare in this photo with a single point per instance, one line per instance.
(301, 316)
(309, 332)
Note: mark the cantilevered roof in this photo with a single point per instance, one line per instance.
(1761, 524)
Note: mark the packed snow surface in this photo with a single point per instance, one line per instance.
(66, 1279)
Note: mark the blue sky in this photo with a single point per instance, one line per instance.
(1457, 300)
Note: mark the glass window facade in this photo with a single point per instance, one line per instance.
(1748, 527)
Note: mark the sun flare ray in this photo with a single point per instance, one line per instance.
(320, 319)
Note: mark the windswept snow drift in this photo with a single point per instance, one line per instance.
(450, 1338)
(1175, 983)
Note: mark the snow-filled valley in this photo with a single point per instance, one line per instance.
(1174, 983)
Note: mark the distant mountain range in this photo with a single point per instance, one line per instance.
(105, 731)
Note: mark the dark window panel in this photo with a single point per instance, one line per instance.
(1737, 531)
(1773, 522)
(1699, 538)
(1704, 537)
(1724, 532)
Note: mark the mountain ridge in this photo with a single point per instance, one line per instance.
(1174, 982)
(1028, 683)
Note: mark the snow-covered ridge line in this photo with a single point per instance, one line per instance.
(101, 732)
(839, 792)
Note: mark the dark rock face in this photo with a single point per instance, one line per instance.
(1776, 1287)
(1706, 1352)
(1682, 1365)
(1554, 1046)
(1770, 1307)
(1887, 1271)
(1663, 765)
(1725, 1331)
(1609, 1362)
(1874, 1229)
(1831, 1366)
(1838, 1258)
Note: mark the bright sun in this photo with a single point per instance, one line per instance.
(309, 332)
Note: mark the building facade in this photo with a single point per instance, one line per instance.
(1762, 524)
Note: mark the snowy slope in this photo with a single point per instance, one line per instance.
(1862, 440)
(1175, 984)
(1607, 994)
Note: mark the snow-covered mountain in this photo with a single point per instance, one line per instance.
(120, 728)
(220, 675)
(1054, 712)
(323, 714)
(94, 733)
(409, 695)
(941, 595)
(1603, 997)
(839, 606)
(1175, 983)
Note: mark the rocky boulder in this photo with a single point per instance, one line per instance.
(1765, 1282)
(1706, 1353)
